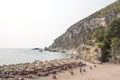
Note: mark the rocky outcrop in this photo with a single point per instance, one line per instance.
(89, 53)
(72, 40)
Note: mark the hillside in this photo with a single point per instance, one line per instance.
(77, 35)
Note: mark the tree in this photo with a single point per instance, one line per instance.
(98, 34)
(112, 37)
(112, 31)
(108, 39)
(115, 44)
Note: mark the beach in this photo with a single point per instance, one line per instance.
(38, 68)
(106, 71)
(62, 69)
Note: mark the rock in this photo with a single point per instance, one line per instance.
(35, 49)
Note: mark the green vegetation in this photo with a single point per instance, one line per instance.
(112, 31)
(109, 38)
(101, 45)
(89, 42)
(115, 44)
(114, 7)
(98, 34)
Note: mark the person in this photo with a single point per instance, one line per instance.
(80, 70)
(71, 72)
(54, 76)
(1, 76)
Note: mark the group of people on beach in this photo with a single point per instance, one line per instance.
(39, 68)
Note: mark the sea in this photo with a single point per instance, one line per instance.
(23, 55)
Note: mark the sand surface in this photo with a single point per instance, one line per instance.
(105, 71)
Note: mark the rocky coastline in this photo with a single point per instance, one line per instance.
(79, 33)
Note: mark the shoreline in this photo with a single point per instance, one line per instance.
(61, 69)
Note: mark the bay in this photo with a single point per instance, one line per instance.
(23, 55)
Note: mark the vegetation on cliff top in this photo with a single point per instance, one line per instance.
(114, 7)
(109, 38)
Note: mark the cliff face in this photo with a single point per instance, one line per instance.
(81, 31)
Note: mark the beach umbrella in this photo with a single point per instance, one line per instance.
(29, 69)
(39, 67)
(1, 69)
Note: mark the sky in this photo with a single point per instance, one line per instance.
(36, 23)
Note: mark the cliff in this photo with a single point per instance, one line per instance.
(76, 36)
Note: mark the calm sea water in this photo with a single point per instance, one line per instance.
(13, 56)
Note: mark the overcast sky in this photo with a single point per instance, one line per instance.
(36, 23)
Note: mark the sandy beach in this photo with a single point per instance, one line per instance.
(89, 71)
(105, 71)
